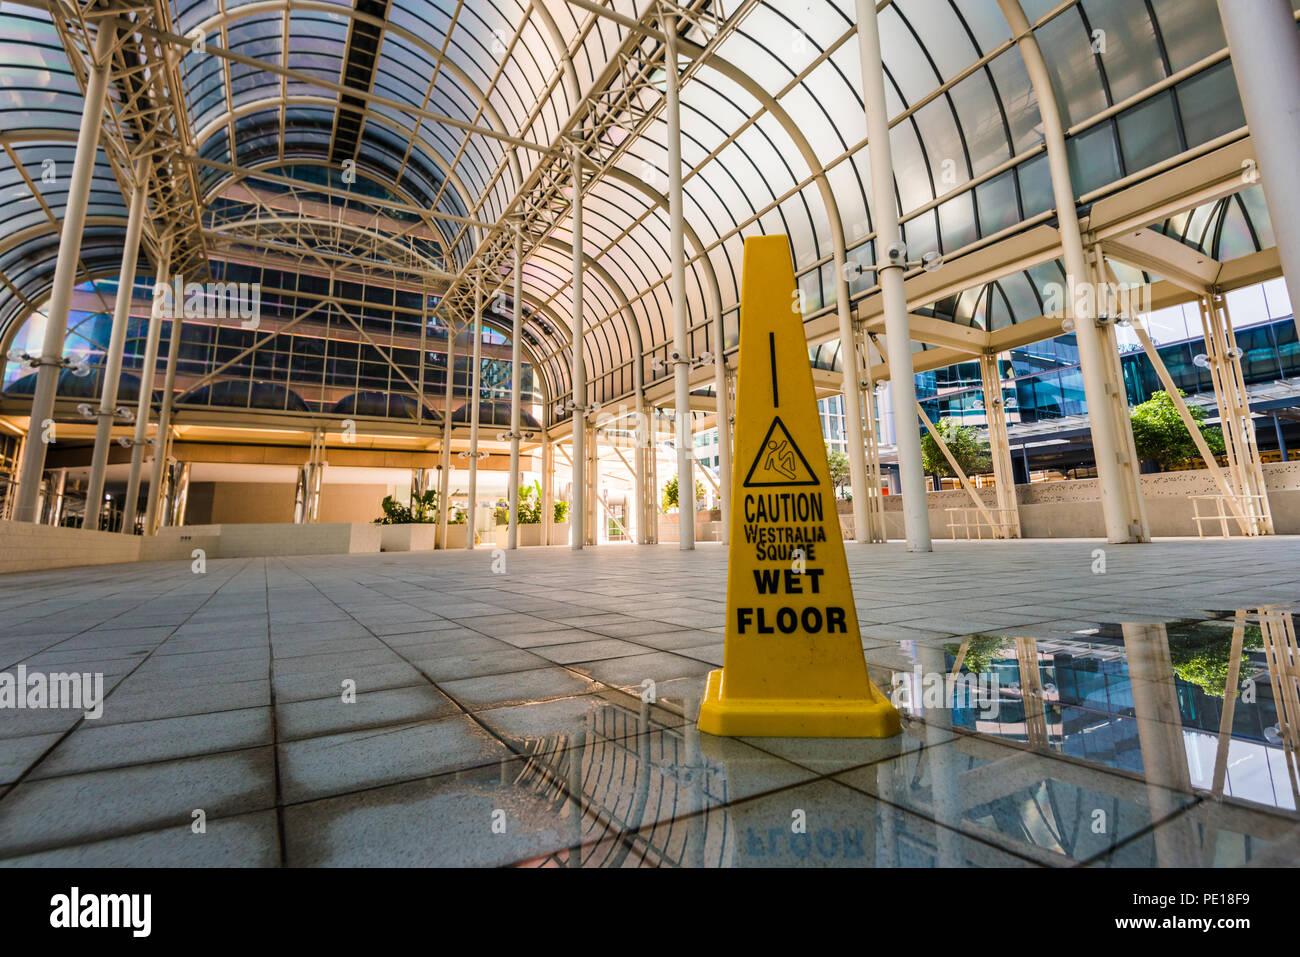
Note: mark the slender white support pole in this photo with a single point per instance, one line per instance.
(911, 475)
(853, 421)
(476, 385)
(26, 507)
(1265, 48)
(112, 373)
(578, 505)
(548, 488)
(641, 438)
(684, 435)
(516, 371)
(999, 445)
(164, 424)
(444, 476)
(145, 400)
(1092, 361)
(56, 497)
(723, 405)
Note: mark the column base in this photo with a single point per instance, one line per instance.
(728, 716)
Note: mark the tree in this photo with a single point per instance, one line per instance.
(670, 494)
(1201, 656)
(983, 652)
(963, 442)
(839, 466)
(1160, 435)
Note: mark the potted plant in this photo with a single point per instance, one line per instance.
(409, 527)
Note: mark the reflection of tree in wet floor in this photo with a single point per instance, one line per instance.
(1202, 655)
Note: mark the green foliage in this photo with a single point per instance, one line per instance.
(456, 514)
(561, 512)
(423, 510)
(1160, 435)
(1202, 655)
(529, 511)
(983, 651)
(501, 512)
(670, 494)
(963, 442)
(839, 466)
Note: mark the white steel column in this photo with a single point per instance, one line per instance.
(57, 489)
(1245, 469)
(681, 317)
(592, 473)
(161, 443)
(1121, 526)
(145, 400)
(1265, 48)
(112, 373)
(548, 487)
(476, 384)
(444, 473)
(516, 370)
(577, 504)
(653, 498)
(641, 441)
(999, 445)
(916, 514)
(65, 275)
(722, 401)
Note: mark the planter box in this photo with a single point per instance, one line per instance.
(559, 533)
(705, 530)
(414, 537)
(528, 535)
(455, 536)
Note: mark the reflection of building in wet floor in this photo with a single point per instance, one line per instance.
(1109, 750)
(1180, 715)
(629, 788)
(1089, 709)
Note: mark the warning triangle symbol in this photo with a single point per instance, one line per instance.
(779, 461)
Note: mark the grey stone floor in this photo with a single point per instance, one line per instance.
(486, 702)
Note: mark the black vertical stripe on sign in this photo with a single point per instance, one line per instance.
(771, 351)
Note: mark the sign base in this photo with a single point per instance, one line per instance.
(870, 717)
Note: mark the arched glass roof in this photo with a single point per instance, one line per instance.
(457, 117)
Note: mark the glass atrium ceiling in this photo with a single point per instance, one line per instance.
(455, 114)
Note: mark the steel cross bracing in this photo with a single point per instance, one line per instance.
(623, 97)
(145, 116)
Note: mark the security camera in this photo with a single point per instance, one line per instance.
(896, 253)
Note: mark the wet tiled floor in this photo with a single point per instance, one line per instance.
(420, 709)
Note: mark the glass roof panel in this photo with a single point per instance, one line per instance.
(1098, 51)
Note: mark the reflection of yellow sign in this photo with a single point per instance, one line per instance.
(792, 666)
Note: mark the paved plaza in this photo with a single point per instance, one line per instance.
(542, 713)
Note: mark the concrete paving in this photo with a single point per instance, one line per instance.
(422, 709)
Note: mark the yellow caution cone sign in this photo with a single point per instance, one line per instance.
(792, 665)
